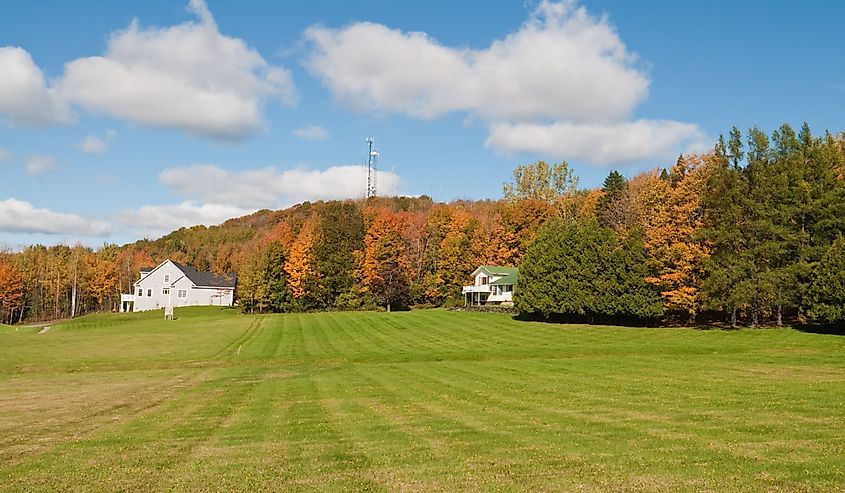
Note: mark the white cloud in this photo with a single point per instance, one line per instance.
(562, 63)
(189, 77)
(156, 220)
(4, 154)
(600, 143)
(18, 216)
(311, 132)
(270, 187)
(563, 69)
(93, 145)
(40, 165)
(25, 97)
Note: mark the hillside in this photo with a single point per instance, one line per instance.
(751, 237)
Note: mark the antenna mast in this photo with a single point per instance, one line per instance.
(372, 155)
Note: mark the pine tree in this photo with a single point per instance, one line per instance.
(725, 226)
(614, 209)
(826, 296)
(340, 236)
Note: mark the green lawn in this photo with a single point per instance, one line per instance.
(419, 401)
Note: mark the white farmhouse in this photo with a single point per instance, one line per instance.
(493, 285)
(173, 284)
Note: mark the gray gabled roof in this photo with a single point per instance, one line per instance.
(208, 279)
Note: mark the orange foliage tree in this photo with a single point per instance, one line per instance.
(103, 281)
(299, 266)
(672, 209)
(11, 292)
(383, 244)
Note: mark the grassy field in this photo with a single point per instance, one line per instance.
(417, 401)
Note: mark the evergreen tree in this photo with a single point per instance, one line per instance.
(582, 269)
(262, 284)
(615, 208)
(340, 235)
(826, 296)
(275, 279)
(727, 270)
(735, 146)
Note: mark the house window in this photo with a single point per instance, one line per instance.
(167, 278)
(140, 292)
(482, 281)
(182, 293)
(149, 292)
(165, 291)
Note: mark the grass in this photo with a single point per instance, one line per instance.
(419, 401)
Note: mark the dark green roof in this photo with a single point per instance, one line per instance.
(511, 278)
(500, 271)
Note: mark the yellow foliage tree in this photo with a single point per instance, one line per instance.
(103, 282)
(671, 227)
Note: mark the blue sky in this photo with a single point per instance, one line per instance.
(113, 129)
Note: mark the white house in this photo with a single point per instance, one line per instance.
(173, 284)
(493, 285)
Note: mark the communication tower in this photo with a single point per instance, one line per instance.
(372, 170)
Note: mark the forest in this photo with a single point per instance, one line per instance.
(748, 234)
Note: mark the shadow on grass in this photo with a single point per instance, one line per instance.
(588, 319)
(829, 329)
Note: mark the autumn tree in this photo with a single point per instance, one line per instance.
(514, 228)
(390, 286)
(383, 244)
(11, 292)
(103, 280)
(671, 212)
(456, 254)
(430, 287)
(541, 181)
(302, 277)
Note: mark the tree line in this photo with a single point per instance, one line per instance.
(748, 233)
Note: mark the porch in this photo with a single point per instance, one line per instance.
(127, 302)
(476, 295)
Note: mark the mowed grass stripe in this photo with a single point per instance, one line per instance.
(421, 401)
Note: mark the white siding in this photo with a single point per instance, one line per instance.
(201, 296)
(194, 295)
(155, 282)
(481, 277)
